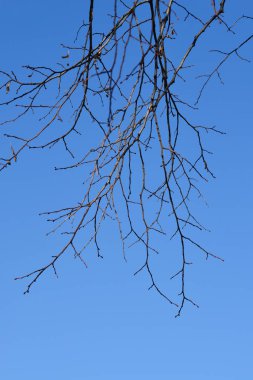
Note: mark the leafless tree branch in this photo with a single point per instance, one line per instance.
(130, 73)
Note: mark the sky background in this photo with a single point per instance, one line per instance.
(102, 323)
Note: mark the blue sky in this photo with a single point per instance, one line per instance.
(102, 323)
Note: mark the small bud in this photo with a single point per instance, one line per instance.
(8, 86)
(14, 154)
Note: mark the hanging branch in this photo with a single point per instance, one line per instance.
(122, 84)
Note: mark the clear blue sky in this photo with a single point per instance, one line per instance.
(102, 323)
